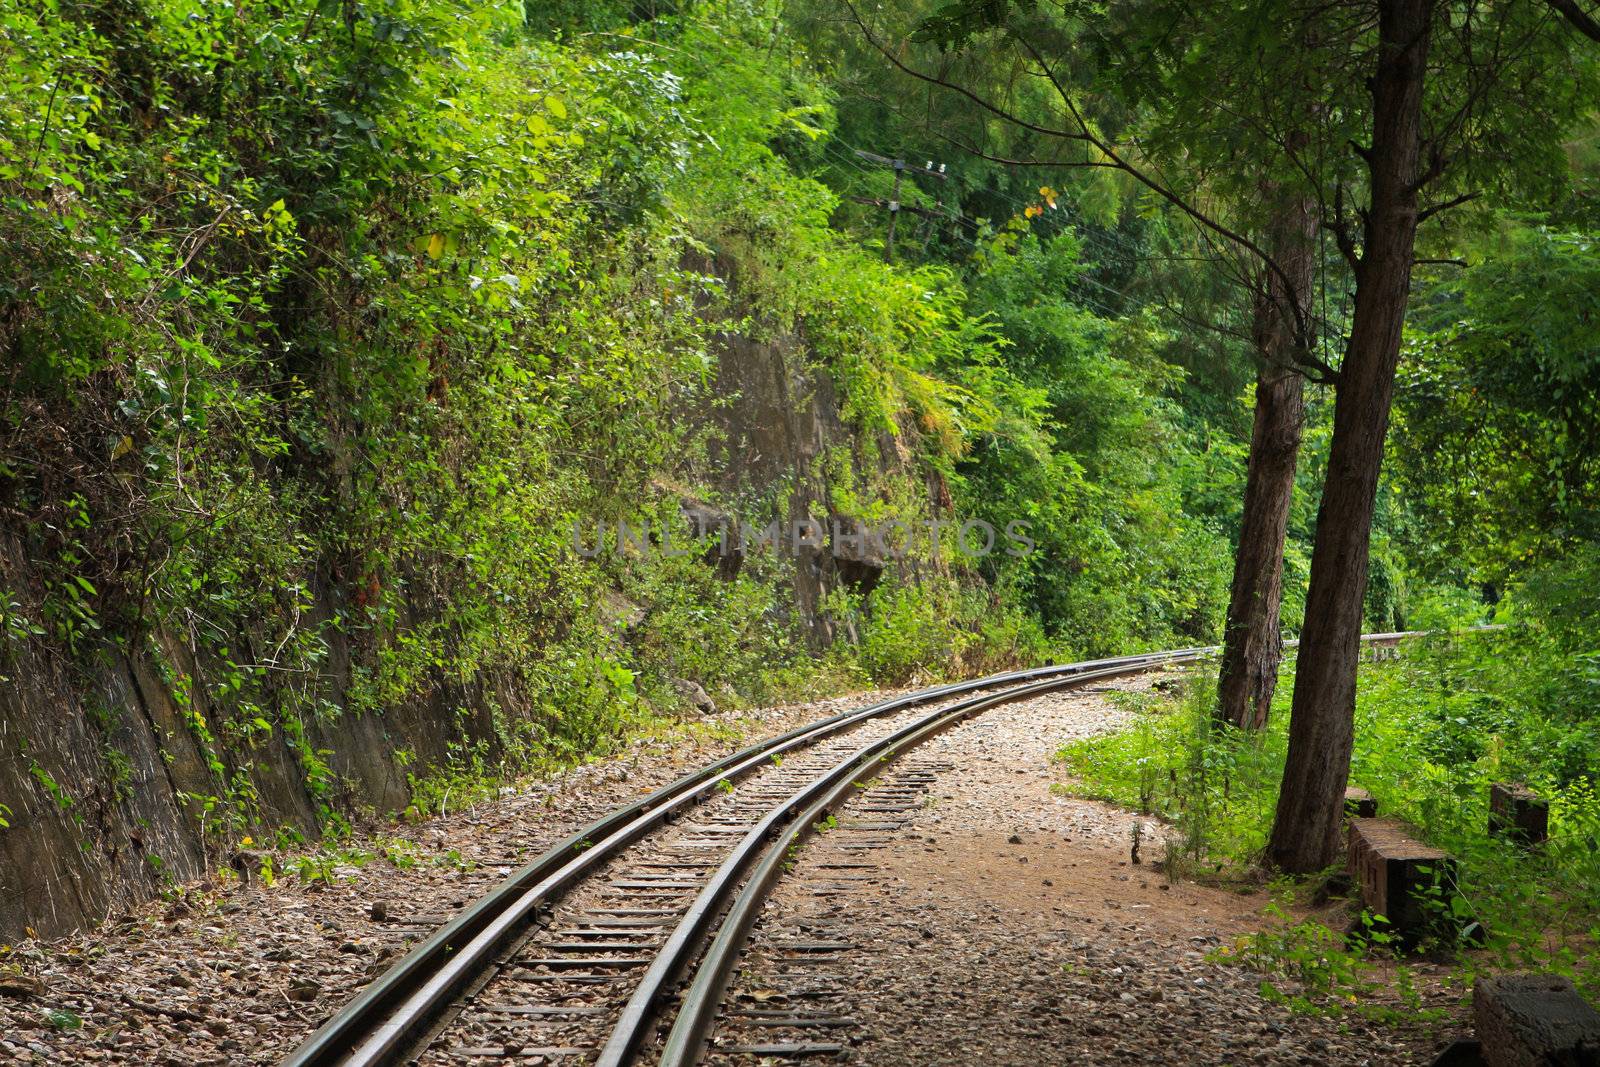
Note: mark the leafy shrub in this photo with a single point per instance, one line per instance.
(1433, 730)
(1215, 785)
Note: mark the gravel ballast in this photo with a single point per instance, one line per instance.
(1005, 923)
(994, 919)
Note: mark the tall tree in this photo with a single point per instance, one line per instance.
(1305, 832)
(1486, 109)
(1252, 641)
(1421, 105)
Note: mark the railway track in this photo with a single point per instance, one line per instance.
(617, 945)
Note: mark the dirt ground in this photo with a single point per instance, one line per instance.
(1005, 923)
(994, 921)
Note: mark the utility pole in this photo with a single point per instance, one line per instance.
(900, 167)
(894, 210)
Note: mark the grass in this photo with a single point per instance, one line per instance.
(1433, 730)
(1213, 787)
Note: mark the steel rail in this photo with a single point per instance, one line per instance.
(783, 828)
(703, 998)
(392, 1009)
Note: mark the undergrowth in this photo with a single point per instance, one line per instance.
(1434, 728)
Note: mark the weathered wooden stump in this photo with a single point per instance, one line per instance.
(1535, 1020)
(1518, 814)
(1398, 875)
(1358, 804)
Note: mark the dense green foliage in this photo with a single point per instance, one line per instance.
(326, 323)
(294, 303)
(1500, 405)
(1434, 729)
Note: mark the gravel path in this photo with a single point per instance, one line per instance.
(987, 919)
(994, 921)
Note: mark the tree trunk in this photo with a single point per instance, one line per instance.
(1252, 644)
(1305, 833)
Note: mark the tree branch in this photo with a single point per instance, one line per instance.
(1341, 230)
(1146, 180)
(1581, 21)
(1456, 201)
(993, 109)
(1082, 134)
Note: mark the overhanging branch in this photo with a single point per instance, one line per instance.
(1581, 20)
(1113, 159)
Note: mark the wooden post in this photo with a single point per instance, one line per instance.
(1533, 1020)
(900, 168)
(894, 210)
(1518, 814)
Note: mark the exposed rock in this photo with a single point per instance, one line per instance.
(618, 612)
(303, 990)
(694, 695)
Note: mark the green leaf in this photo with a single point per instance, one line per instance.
(63, 1020)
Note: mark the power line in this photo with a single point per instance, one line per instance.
(1098, 242)
(1087, 238)
(901, 167)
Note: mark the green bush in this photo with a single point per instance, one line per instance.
(1433, 730)
(1214, 785)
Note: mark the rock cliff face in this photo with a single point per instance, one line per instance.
(782, 451)
(107, 757)
(105, 768)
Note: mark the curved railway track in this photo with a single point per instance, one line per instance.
(590, 946)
